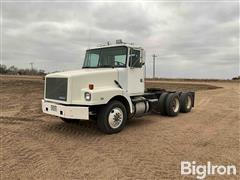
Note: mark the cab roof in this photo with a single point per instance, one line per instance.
(116, 45)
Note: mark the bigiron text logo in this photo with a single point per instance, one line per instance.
(202, 171)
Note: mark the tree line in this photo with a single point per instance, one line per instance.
(12, 70)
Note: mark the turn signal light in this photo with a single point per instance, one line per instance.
(91, 86)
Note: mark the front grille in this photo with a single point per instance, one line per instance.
(56, 88)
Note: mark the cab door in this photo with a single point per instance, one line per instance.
(135, 72)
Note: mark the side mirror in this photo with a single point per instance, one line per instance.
(142, 57)
(142, 62)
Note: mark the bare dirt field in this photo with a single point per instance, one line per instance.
(38, 146)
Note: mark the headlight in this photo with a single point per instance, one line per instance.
(87, 96)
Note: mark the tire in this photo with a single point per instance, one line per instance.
(112, 117)
(172, 104)
(68, 120)
(162, 103)
(186, 102)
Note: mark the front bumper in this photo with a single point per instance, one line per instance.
(69, 112)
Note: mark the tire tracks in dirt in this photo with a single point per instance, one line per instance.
(43, 147)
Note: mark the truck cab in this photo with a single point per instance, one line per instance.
(109, 88)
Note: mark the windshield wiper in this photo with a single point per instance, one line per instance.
(88, 67)
(106, 66)
(102, 66)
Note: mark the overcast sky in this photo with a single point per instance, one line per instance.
(191, 39)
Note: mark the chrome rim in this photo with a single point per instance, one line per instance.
(189, 102)
(176, 105)
(115, 118)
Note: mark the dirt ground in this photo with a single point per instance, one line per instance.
(38, 146)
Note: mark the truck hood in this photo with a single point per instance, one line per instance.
(83, 72)
(80, 79)
(78, 84)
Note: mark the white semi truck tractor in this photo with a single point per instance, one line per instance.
(110, 90)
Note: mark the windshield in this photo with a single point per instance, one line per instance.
(106, 57)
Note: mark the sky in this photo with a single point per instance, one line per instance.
(197, 39)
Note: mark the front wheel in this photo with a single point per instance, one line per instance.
(112, 117)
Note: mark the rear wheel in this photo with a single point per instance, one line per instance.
(186, 102)
(172, 104)
(112, 117)
(162, 102)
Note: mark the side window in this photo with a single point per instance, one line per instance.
(134, 60)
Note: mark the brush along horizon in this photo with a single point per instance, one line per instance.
(110, 90)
